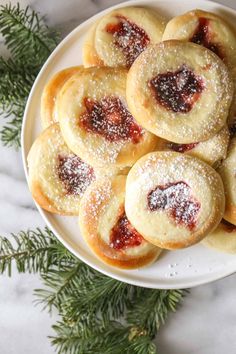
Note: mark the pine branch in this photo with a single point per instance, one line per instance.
(92, 306)
(26, 35)
(29, 42)
(151, 309)
(113, 338)
(33, 251)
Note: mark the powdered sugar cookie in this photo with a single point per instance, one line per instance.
(227, 171)
(174, 90)
(106, 229)
(212, 151)
(223, 238)
(209, 30)
(173, 200)
(121, 35)
(57, 177)
(96, 123)
(50, 93)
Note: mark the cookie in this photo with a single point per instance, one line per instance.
(212, 151)
(57, 177)
(106, 229)
(209, 30)
(174, 90)
(50, 93)
(96, 123)
(121, 35)
(173, 200)
(227, 173)
(223, 238)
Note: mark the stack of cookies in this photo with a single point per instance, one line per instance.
(139, 142)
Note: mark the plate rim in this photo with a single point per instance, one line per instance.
(189, 284)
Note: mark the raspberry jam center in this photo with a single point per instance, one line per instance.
(177, 200)
(124, 235)
(202, 36)
(227, 226)
(75, 174)
(177, 91)
(232, 129)
(110, 119)
(129, 37)
(181, 147)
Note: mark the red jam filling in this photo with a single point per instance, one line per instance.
(181, 147)
(176, 199)
(75, 174)
(124, 235)
(232, 130)
(129, 37)
(227, 226)
(202, 36)
(177, 91)
(110, 119)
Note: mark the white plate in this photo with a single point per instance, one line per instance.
(177, 269)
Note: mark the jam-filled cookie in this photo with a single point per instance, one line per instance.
(206, 29)
(95, 121)
(212, 151)
(57, 177)
(223, 238)
(174, 90)
(106, 229)
(209, 30)
(121, 35)
(173, 200)
(227, 171)
(50, 93)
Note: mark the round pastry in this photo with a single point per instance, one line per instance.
(223, 238)
(173, 200)
(107, 230)
(206, 29)
(57, 177)
(227, 171)
(121, 35)
(212, 151)
(50, 93)
(95, 121)
(90, 56)
(209, 30)
(174, 90)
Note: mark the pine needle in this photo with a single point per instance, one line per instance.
(29, 42)
(98, 314)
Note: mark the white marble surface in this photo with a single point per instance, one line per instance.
(205, 324)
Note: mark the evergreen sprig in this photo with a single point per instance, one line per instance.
(29, 42)
(98, 314)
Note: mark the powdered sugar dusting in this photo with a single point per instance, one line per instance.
(129, 37)
(176, 199)
(110, 119)
(75, 174)
(209, 111)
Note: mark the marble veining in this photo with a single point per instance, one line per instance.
(205, 324)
